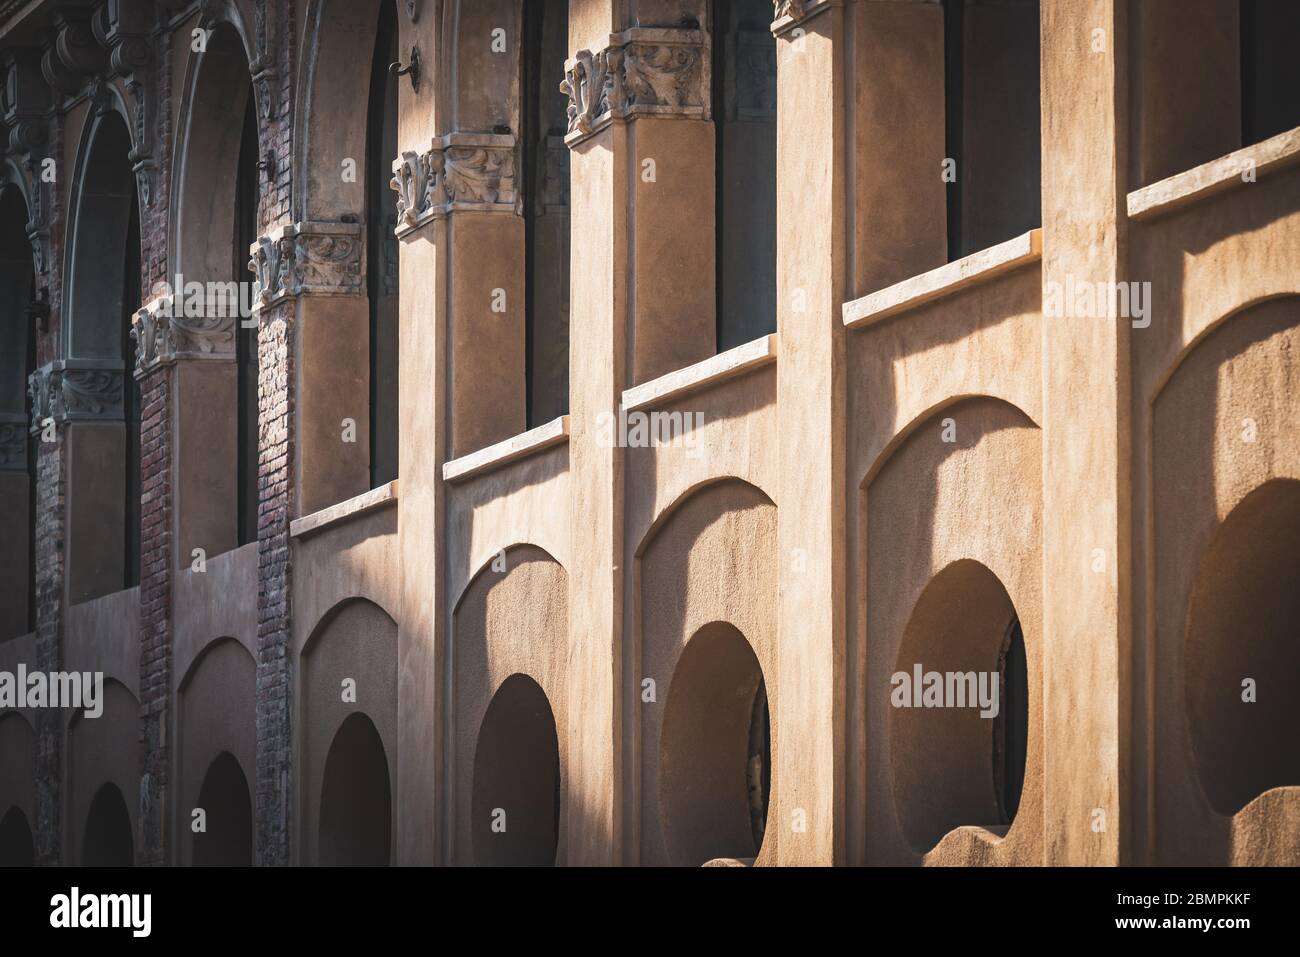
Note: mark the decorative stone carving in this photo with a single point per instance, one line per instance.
(70, 390)
(787, 13)
(647, 70)
(586, 83)
(162, 336)
(141, 155)
(460, 171)
(324, 259)
(410, 176)
(266, 79)
(13, 442)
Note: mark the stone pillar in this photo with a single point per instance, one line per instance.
(1087, 566)
(642, 298)
(311, 317)
(185, 367)
(812, 203)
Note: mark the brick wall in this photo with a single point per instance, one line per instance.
(275, 496)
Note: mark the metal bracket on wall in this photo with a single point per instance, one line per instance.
(413, 70)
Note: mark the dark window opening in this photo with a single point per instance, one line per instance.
(16, 846)
(992, 123)
(356, 802)
(744, 117)
(382, 273)
(546, 211)
(131, 402)
(1011, 726)
(1270, 69)
(246, 197)
(758, 767)
(33, 461)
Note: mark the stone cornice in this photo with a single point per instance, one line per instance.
(162, 337)
(645, 71)
(309, 259)
(74, 390)
(459, 171)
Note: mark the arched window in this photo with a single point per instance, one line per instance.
(383, 278)
(16, 846)
(17, 448)
(245, 234)
(546, 209)
(102, 294)
(744, 116)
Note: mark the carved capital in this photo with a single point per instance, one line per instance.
(13, 442)
(460, 171)
(787, 14)
(165, 334)
(644, 71)
(75, 390)
(309, 259)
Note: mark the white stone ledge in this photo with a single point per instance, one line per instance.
(702, 375)
(516, 447)
(1214, 177)
(945, 281)
(371, 501)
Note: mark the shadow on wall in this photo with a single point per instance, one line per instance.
(356, 804)
(516, 804)
(108, 841)
(16, 846)
(1242, 651)
(973, 766)
(715, 755)
(228, 817)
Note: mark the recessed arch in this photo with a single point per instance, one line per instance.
(689, 494)
(17, 849)
(227, 838)
(348, 675)
(516, 800)
(356, 798)
(107, 840)
(17, 448)
(1242, 650)
(715, 757)
(953, 763)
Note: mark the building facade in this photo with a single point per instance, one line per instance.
(609, 432)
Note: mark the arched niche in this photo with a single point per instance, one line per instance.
(107, 839)
(17, 451)
(953, 763)
(1242, 650)
(17, 848)
(356, 806)
(715, 756)
(1223, 467)
(951, 578)
(17, 789)
(515, 812)
(104, 761)
(511, 649)
(216, 712)
(707, 594)
(348, 677)
(227, 836)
